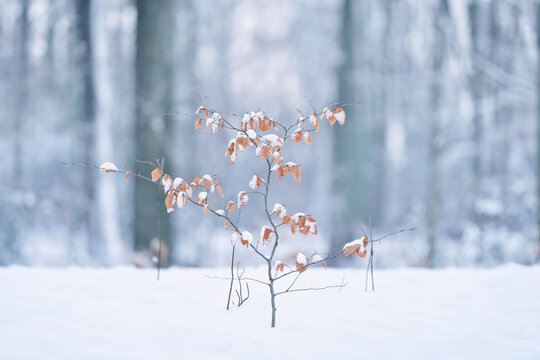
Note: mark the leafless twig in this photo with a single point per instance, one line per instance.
(340, 286)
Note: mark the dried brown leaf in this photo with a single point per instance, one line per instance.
(156, 174)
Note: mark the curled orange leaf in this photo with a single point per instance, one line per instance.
(301, 262)
(255, 182)
(267, 235)
(156, 174)
(314, 120)
(246, 238)
(358, 247)
(340, 116)
(169, 203)
(242, 199)
(297, 136)
(230, 206)
(206, 181)
(218, 187)
(307, 137)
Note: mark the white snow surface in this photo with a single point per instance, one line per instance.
(125, 313)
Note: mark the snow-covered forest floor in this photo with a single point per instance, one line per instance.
(124, 313)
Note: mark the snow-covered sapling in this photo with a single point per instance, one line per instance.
(267, 137)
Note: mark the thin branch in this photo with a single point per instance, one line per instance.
(138, 175)
(255, 192)
(239, 275)
(293, 282)
(305, 266)
(247, 297)
(146, 162)
(243, 278)
(393, 233)
(340, 286)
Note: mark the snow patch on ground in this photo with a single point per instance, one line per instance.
(124, 313)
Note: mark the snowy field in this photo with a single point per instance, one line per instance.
(124, 313)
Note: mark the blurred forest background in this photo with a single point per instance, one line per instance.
(445, 138)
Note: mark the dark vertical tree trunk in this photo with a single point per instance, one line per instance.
(20, 87)
(22, 93)
(538, 132)
(185, 158)
(435, 147)
(477, 136)
(153, 89)
(346, 162)
(85, 114)
(359, 146)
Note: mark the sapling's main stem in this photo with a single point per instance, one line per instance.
(271, 257)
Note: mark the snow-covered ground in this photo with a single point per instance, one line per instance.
(124, 313)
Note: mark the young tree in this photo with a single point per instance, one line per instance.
(268, 147)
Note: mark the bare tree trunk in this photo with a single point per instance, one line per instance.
(435, 146)
(85, 112)
(272, 296)
(20, 87)
(538, 134)
(154, 89)
(346, 162)
(476, 86)
(22, 69)
(185, 159)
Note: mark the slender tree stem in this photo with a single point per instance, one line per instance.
(372, 279)
(232, 277)
(367, 272)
